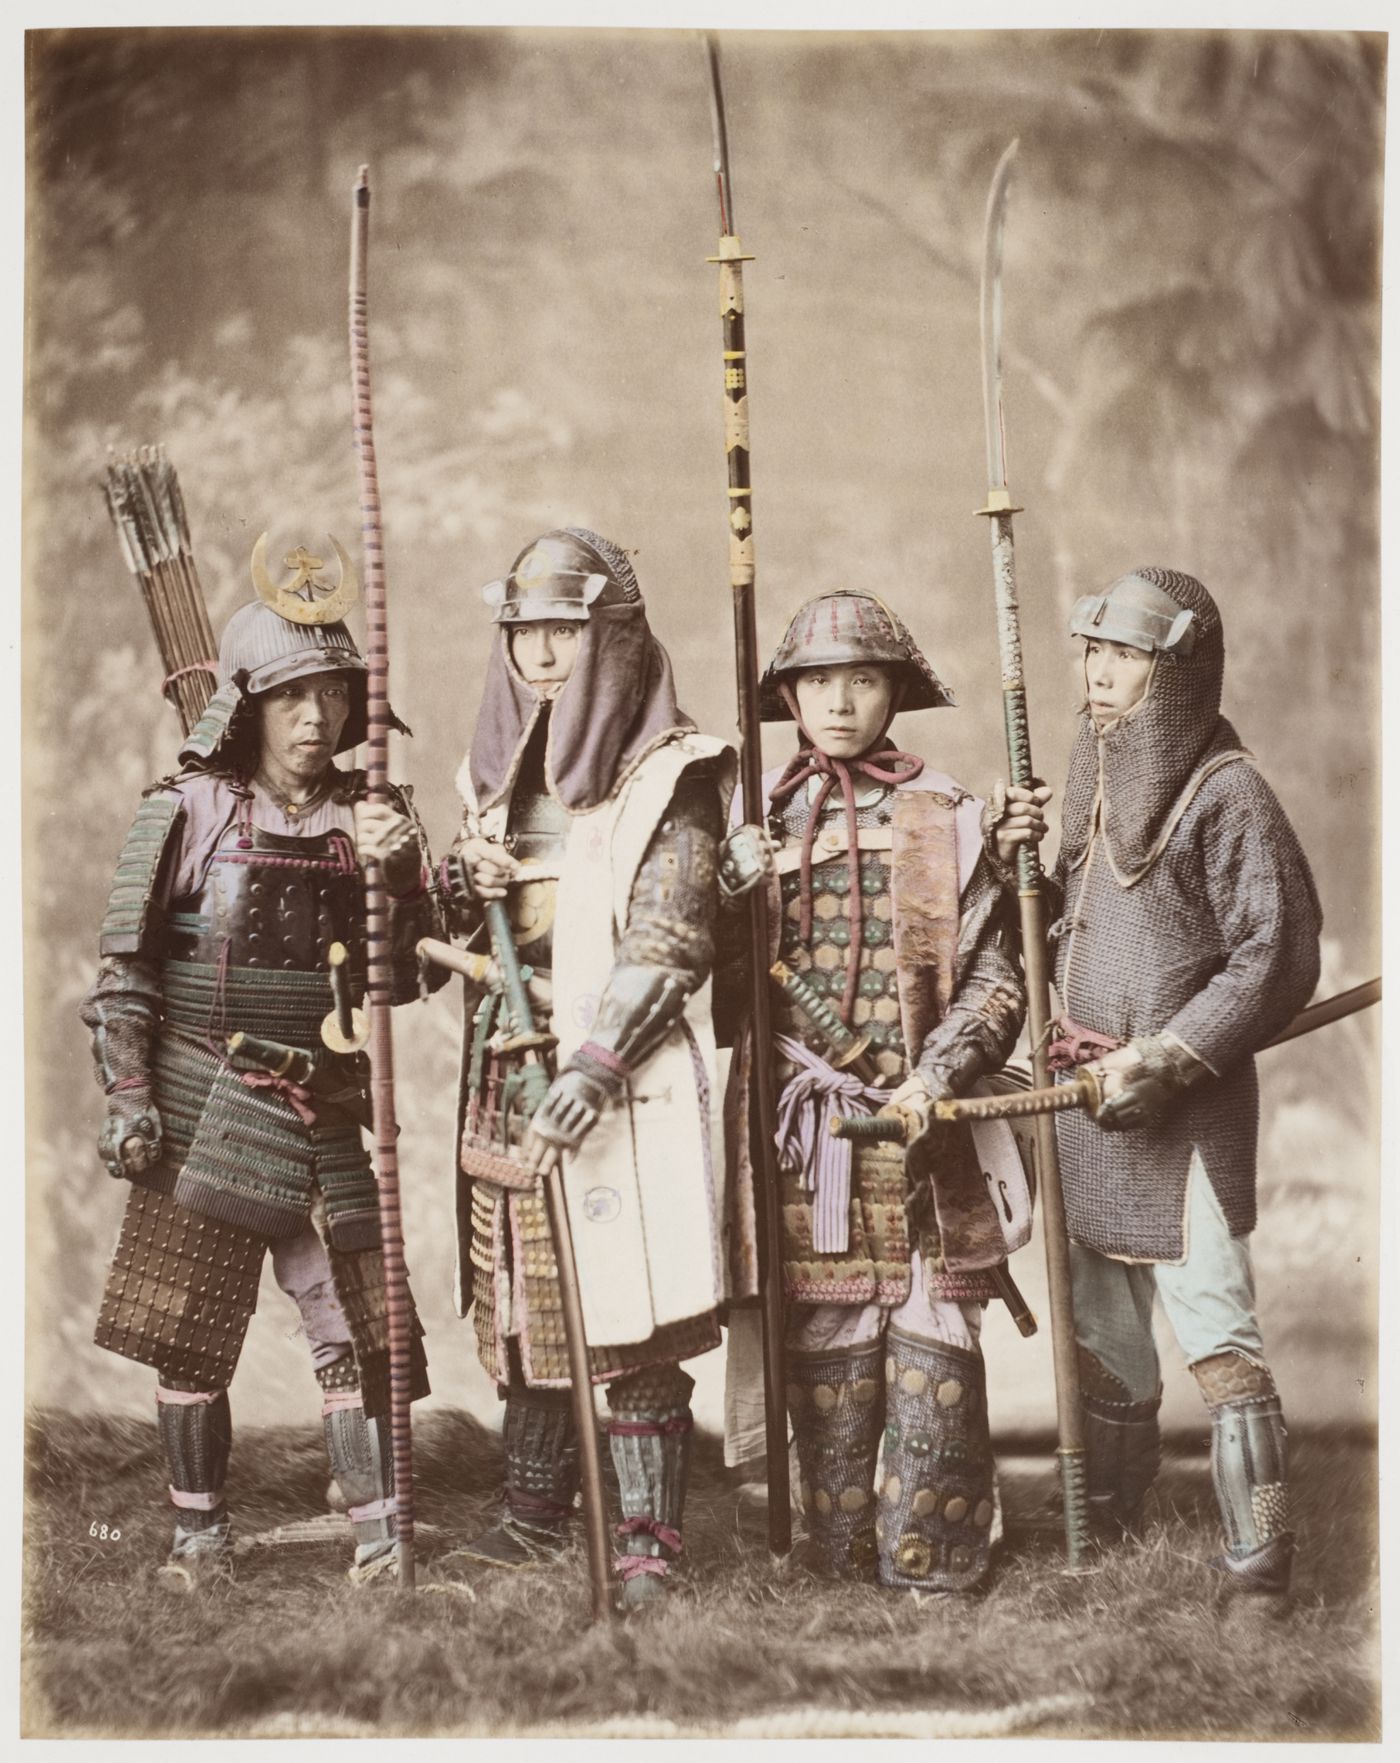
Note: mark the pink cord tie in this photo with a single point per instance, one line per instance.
(336, 1401)
(184, 1398)
(296, 1096)
(188, 1502)
(1076, 1045)
(652, 1527)
(372, 1509)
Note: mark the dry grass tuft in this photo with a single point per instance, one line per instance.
(1142, 1646)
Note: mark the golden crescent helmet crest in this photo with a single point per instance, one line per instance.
(305, 598)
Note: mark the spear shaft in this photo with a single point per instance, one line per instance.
(763, 1099)
(999, 513)
(381, 1031)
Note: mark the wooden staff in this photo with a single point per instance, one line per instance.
(763, 1109)
(381, 1030)
(998, 513)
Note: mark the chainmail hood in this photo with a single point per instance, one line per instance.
(1134, 773)
(616, 706)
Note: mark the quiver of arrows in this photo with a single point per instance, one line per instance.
(148, 511)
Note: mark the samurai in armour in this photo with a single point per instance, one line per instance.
(888, 913)
(1187, 938)
(595, 810)
(239, 875)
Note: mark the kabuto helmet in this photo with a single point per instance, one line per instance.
(1138, 610)
(844, 627)
(292, 630)
(561, 575)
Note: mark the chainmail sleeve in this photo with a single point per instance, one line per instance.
(122, 1012)
(1264, 901)
(667, 948)
(978, 1031)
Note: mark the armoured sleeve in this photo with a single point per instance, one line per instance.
(1265, 904)
(988, 1005)
(666, 950)
(122, 1011)
(414, 915)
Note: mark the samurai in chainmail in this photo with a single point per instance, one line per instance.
(239, 874)
(1188, 938)
(595, 810)
(885, 907)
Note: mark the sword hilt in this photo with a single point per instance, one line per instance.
(847, 1050)
(869, 1128)
(1082, 1091)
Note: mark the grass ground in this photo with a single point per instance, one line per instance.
(1144, 1646)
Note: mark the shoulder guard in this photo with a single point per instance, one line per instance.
(213, 728)
(129, 907)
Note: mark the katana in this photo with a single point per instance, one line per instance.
(999, 512)
(380, 986)
(143, 498)
(1085, 1091)
(763, 1110)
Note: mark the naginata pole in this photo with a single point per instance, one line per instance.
(763, 1111)
(381, 1031)
(999, 512)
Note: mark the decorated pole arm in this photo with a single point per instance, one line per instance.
(381, 1032)
(999, 512)
(731, 258)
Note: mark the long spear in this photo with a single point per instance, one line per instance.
(1030, 879)
(763, 1111)
(381, 1031)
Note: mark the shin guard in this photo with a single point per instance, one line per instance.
(933, 1525)
(837, 1405)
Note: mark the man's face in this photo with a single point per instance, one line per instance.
(302, 720)
(845, 707)
(1116, 677)
(544, 654)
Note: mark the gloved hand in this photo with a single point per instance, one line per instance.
(1140, 1078)
(1013, 817)
(567, 1115)
(387, 836)
(745, 860)
(912, 1103)
(129, 1142)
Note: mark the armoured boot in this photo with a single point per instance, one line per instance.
(836, 1401)
(1122, 1447)
(361, 1455)
(542, 1477)
(933, 1526)
(1248, 1465)
(196, 1434)
(649, 1434)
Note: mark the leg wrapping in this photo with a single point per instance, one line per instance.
(935, 1514)
(1122, 1443)
(196, 1433)
(541, 1441)
(361, 1457)
(650, 1447)
(837, 1404)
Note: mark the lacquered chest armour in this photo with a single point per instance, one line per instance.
(273, 902)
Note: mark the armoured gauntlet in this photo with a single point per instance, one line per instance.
(745, 861)
(129, 1141)
(576, 1098)
(1164, 1068)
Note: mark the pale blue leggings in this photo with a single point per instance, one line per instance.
(1208, 1298)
